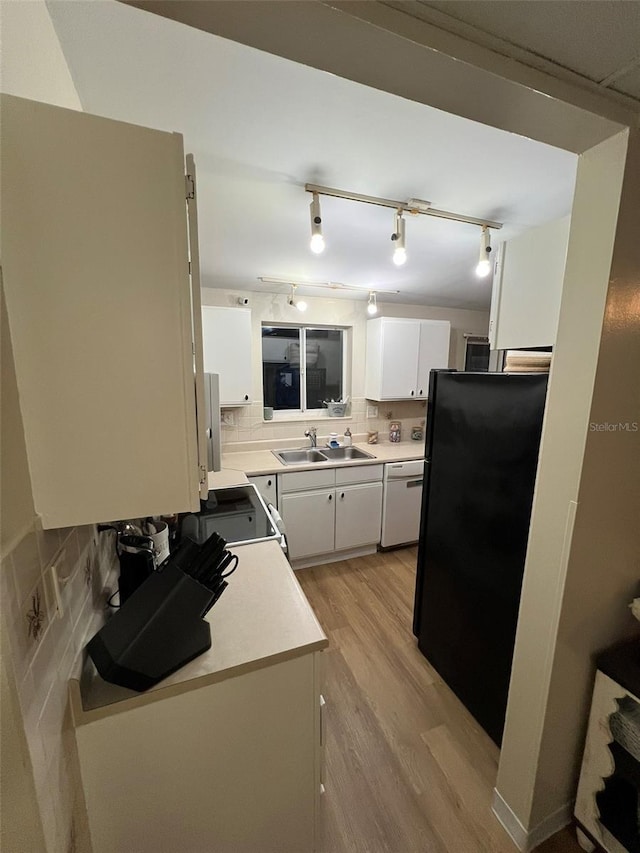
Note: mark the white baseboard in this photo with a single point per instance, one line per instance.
(528, 839)
(333, 557)
(510, 822)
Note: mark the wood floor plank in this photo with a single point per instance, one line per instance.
(408, 769)
(467, 779)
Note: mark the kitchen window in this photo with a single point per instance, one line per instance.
(302, 366)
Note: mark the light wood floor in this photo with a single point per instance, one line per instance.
(408, 770)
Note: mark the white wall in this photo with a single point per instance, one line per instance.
(32, 64)
(581, 567)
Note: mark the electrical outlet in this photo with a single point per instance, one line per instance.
(372, 411)
(229, 418)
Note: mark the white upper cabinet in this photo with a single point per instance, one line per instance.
(527, 288)
(433, 351)
(400, 354)
(226, 334)
(95, 270)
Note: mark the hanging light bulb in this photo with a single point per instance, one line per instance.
(300, 304)
(372, 306)
(484, 263)
(317, 240)
(398, 237)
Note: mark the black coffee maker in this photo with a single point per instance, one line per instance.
(137, 562)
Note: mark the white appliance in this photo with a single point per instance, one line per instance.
(401, 502)
(238, 514)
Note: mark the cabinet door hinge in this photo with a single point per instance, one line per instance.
(190, 186)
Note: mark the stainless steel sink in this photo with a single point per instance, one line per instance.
(312, 454)
(346, 453)
(299, 457)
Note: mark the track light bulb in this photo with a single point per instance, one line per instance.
(300, 304)
(400, 257)
(372, 307)
(317, 240)
(484, 263)
(398, 238)
(317, 244)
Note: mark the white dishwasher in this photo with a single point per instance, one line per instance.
(401, 502)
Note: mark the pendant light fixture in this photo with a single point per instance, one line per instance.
(398, 238)
(317, 240)
(300, 304)
(372, 306)
(484, 263)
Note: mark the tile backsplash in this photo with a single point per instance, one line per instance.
(54, 585)
(249, 424)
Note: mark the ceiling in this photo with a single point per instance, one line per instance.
(597, 41)
(260, 127)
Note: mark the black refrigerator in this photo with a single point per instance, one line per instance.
(482, 440)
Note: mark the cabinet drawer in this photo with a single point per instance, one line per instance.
(359, 474)
(300, 480)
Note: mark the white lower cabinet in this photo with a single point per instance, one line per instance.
(332, 510)
(358, 515)
(230, 766)
(309, 519)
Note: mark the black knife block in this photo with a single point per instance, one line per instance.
(156, 631)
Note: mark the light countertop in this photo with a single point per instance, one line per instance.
(263, 617)
(257, 462)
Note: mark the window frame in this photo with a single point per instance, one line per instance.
(302, 412)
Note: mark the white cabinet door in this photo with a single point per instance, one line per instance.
(95, 268)
(358, 515)
(400, 348)
(391, 365)
(309, 521)
(267, 488)
(525, 303)
(227, 351)
(434, 351)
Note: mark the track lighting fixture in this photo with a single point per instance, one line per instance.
(415, 206)
(300, 304)
(398, 238)
(484, 263)
(372, 307)
(317, 240)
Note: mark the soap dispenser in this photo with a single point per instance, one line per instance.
(347, 437)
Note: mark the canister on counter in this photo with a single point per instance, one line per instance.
(394, 431)
(416, 433)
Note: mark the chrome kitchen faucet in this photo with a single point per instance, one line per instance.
(311, 435)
